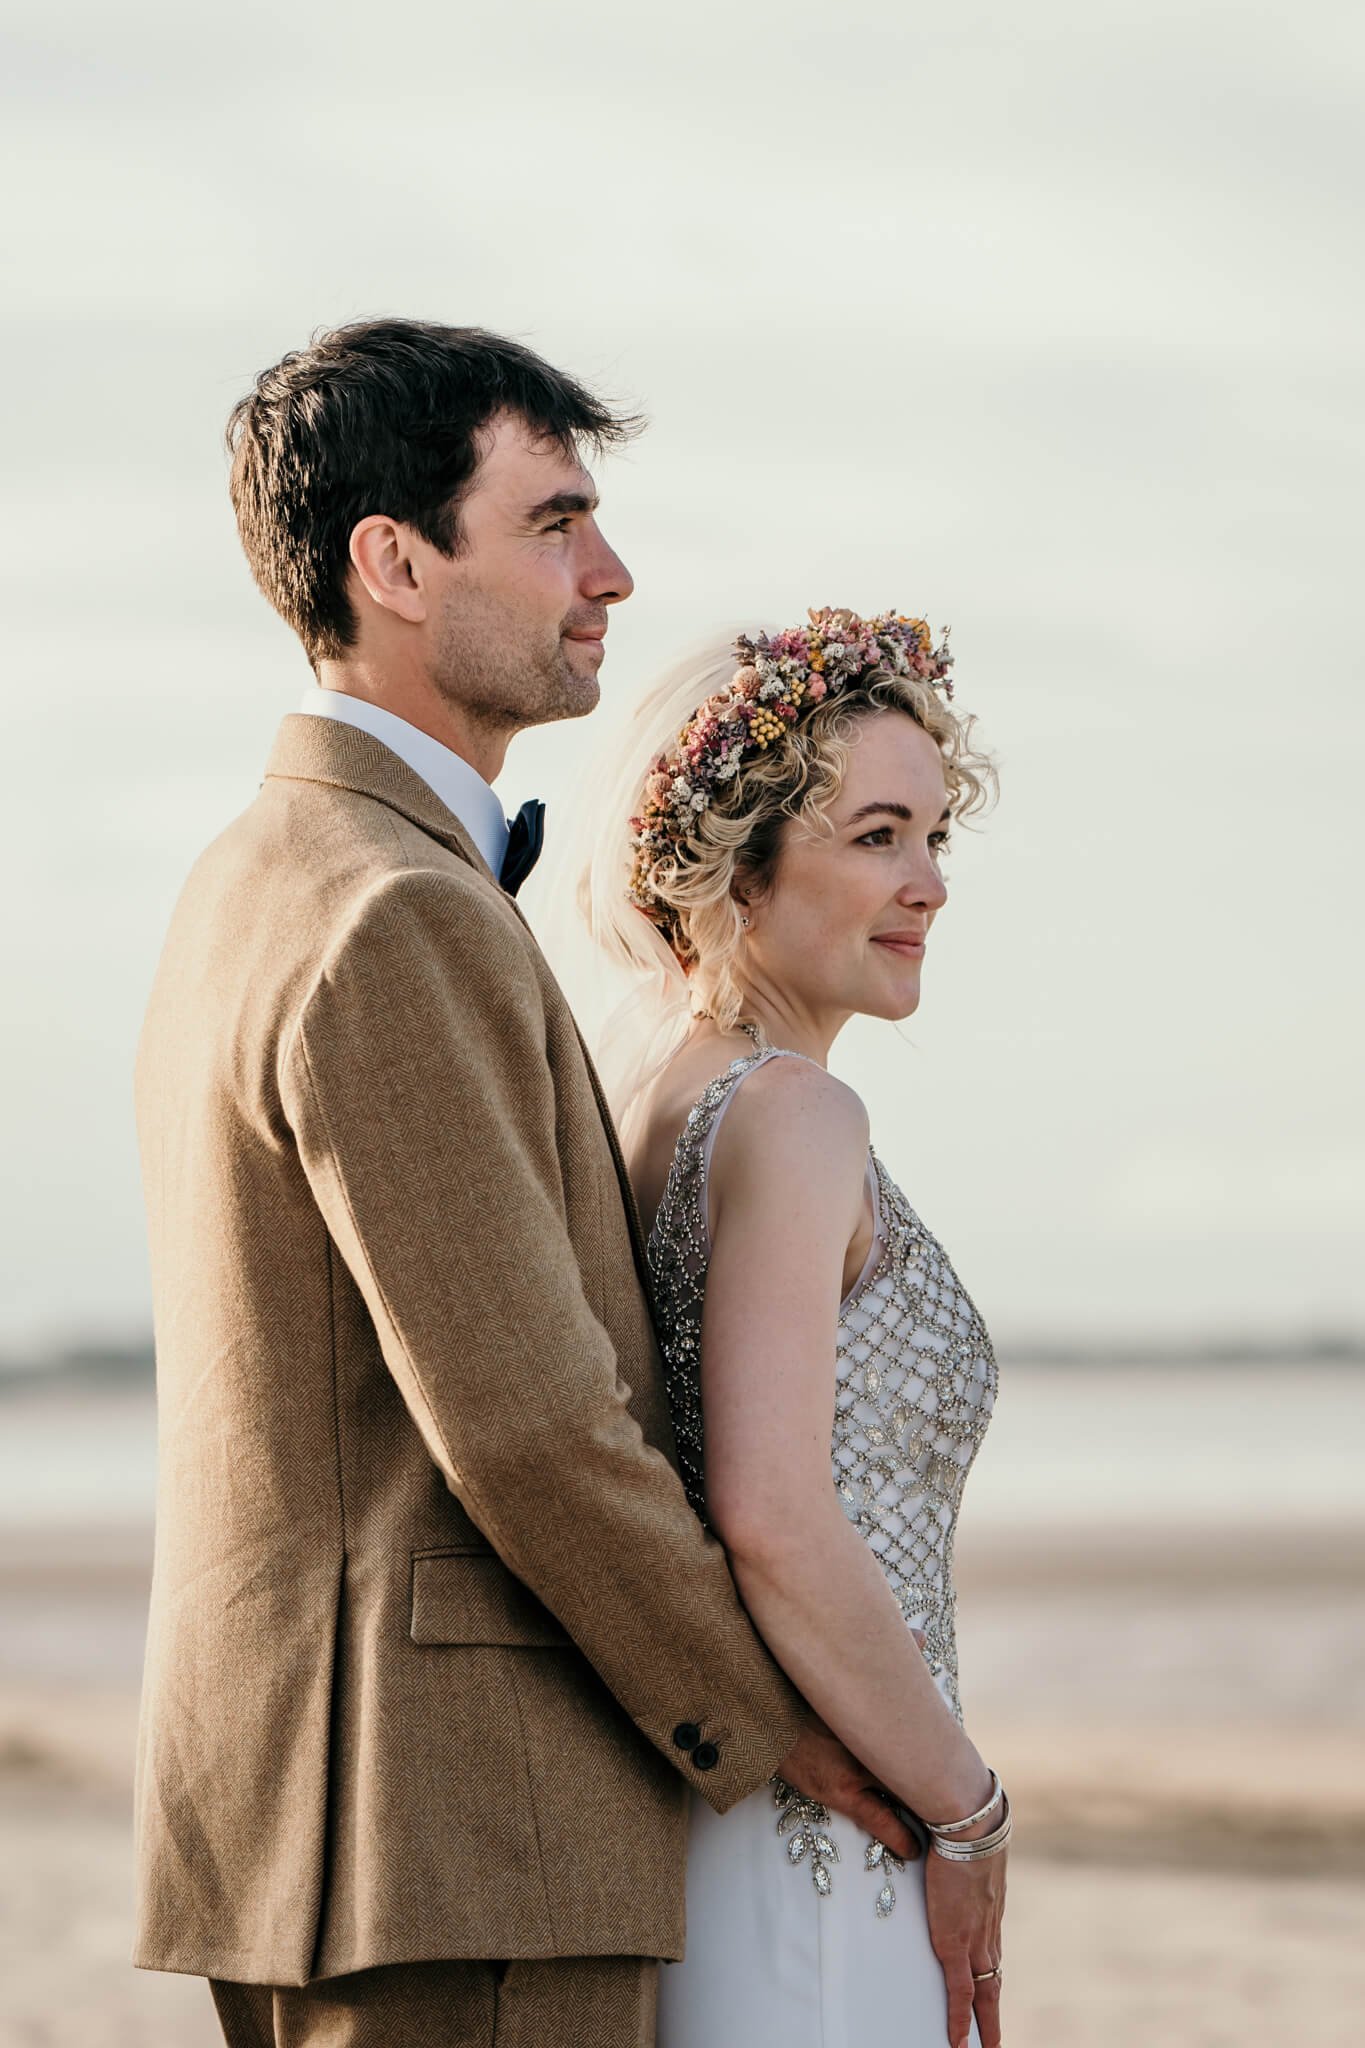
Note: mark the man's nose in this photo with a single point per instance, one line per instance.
(607, 580)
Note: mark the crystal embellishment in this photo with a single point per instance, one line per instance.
(808, 1822)
(915, 1385)
(878, 1857)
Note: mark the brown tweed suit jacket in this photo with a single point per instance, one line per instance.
(436, 1646)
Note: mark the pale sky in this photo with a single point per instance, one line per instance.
(1048, 326)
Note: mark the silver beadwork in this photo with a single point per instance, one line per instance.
(808, 1821)
(915, 1385)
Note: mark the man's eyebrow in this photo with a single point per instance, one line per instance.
(562, 502)
(896, 811)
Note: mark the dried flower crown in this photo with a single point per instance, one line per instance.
(777, 676)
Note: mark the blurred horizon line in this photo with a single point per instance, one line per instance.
(113, 1362)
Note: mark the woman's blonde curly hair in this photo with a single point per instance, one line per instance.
(695, 930)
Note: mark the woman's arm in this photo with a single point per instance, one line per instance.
(786, 1193)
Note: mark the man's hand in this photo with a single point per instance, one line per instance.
(823, 1769)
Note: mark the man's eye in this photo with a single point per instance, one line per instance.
(557, 525)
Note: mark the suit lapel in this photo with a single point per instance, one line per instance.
(311, 749)
(637, 1229)
(632, 1208)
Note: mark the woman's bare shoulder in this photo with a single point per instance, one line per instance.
(789, 1116)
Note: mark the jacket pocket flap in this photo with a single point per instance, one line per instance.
(471, 1599)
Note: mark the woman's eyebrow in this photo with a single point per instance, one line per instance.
(896, 811)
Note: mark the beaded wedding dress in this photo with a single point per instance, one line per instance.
(800, 1931)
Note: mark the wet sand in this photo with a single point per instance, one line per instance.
(1179, 1721)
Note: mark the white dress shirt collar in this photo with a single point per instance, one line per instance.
(461, 788)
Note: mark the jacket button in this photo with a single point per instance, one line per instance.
(706, 1756)
(687, 1735)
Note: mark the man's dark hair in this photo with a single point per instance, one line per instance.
(381, 416)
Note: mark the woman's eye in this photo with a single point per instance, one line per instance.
(881, 835)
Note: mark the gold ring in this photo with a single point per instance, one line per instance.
(980, 1976)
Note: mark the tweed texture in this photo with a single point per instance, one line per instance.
(604, 2001)
(428, 1602)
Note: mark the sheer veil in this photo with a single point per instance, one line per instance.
(649, 1022)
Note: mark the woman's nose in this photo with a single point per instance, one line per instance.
(926, 885)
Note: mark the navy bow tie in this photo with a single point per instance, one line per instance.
(524, 841)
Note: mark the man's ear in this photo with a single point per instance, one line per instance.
(385, 559)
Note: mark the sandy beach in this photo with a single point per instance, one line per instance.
(1178, 1714)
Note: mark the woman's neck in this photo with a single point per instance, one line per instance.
(769, 1028)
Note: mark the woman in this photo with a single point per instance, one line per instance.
(783, 854)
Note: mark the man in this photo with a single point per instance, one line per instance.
(436, 1645)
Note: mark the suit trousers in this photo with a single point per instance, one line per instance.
(565, 2002)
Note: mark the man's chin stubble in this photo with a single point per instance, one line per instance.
(569, 695)
(550, 695)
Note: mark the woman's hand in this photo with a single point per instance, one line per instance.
(966, 1904)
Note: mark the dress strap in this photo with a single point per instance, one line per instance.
(740, 1071)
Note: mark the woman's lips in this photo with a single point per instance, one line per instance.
(909, 943)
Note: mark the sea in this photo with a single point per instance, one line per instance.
(1191, 1443)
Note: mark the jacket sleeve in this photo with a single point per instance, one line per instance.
(417, 1086)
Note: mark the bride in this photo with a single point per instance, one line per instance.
(772, 870)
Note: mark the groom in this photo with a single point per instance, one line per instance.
(436, 1646)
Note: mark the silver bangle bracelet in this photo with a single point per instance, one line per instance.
(955, 1827)
(984, 1845)
(971, 1852)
